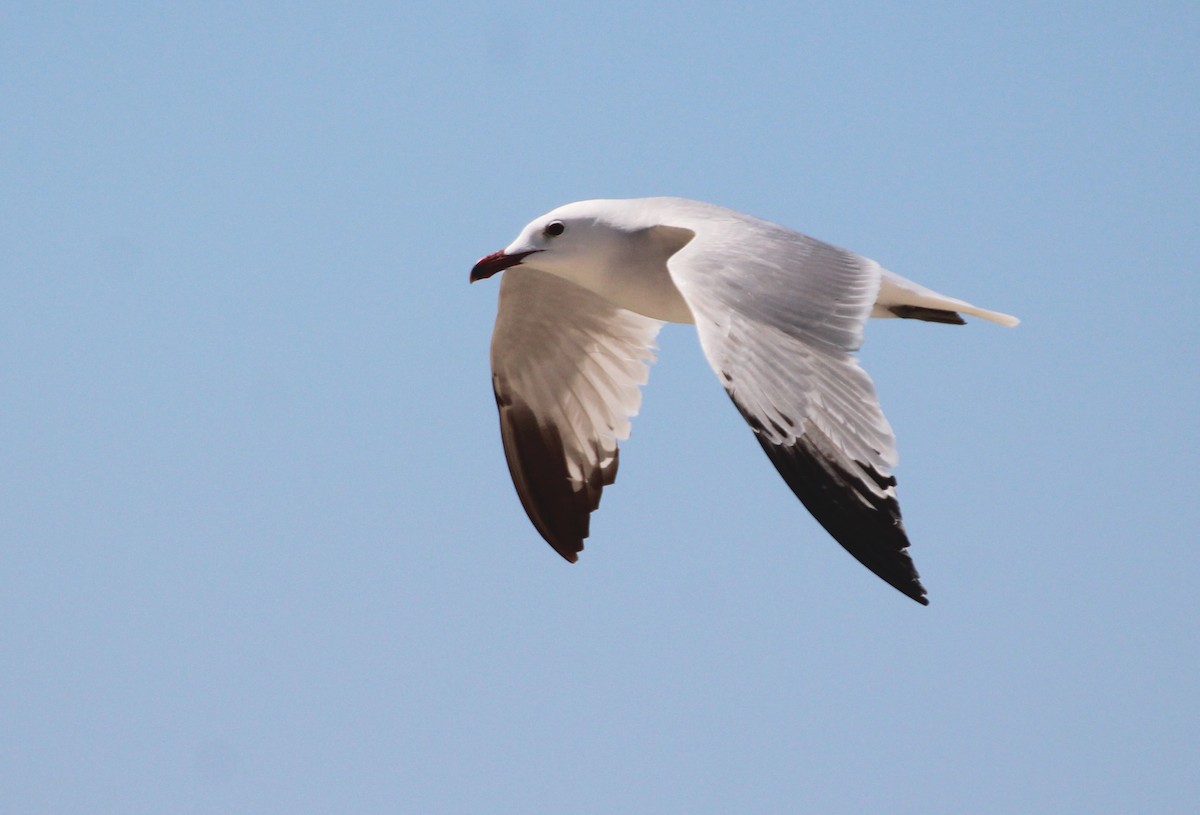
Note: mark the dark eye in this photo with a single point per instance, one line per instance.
(554, 229)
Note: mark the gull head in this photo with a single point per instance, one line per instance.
(573, 240)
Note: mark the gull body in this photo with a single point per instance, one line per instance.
(779, 315)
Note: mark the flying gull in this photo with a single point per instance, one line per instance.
(779, 315)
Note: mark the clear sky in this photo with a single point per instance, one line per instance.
(260, 548)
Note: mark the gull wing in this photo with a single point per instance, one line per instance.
(779, 315)
(566, 369)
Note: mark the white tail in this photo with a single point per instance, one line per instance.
(896, 292)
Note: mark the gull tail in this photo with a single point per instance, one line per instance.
(899, 297)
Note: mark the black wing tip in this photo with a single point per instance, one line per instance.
(913, 591)
(929, 315)
(898, 572)
(866, 524)
(536, 458)
(569, 553)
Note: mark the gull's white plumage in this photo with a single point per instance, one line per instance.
(779, 316)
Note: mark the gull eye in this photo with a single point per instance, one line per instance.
(554, 229)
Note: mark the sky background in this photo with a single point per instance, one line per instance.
(261, 552)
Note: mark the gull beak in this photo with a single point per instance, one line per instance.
(497, 262)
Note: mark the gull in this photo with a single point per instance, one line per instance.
(585, 290)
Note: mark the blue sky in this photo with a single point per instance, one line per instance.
(261, 551)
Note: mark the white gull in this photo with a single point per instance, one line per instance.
(779, 315)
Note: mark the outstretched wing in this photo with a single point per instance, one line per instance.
(566, 368)
(779, 315)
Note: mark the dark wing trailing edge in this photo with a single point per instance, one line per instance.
(537, 460)
(864, 520)
(566, 371)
